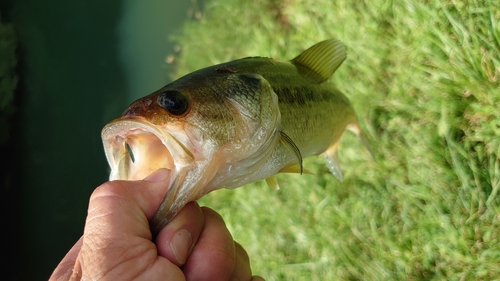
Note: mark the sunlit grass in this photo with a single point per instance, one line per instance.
(424, 79)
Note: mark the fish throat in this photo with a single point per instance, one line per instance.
(136, 149)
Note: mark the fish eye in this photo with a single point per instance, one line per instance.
(174, 102)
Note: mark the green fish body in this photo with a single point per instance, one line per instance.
(233, 123)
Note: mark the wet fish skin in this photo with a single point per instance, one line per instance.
(234, 123)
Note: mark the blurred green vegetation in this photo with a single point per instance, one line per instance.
(424, 77)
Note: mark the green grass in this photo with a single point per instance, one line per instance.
(424, 77)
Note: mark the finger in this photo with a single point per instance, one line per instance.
(64, 269)
(213, 257)
(117, 239)
(242, 270)
(176, 240)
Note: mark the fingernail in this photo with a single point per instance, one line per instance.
(180, 245)
(158, 175)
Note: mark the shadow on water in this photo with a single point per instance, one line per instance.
(71, 83)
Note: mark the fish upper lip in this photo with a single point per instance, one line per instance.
(152, 147)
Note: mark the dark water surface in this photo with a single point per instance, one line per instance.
(75, 77)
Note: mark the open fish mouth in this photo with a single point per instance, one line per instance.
(135, 149)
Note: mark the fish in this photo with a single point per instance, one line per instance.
(233, 123)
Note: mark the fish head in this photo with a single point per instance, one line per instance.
(210, 129)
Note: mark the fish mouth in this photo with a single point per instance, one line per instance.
(135, 148)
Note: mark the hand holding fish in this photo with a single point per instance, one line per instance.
(117, 241)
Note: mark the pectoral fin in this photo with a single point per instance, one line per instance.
(292, 168)
(295, 169)
(272, 182)
(288, 142)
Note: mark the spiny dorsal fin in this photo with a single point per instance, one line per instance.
(320, 61)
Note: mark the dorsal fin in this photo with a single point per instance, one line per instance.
(320, 61)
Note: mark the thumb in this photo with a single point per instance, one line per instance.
(117, 239)
(126, 206)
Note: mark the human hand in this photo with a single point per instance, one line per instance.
(116, 243)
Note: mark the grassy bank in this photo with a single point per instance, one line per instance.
(425, 81)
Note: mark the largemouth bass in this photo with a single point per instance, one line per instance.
(231, 124)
